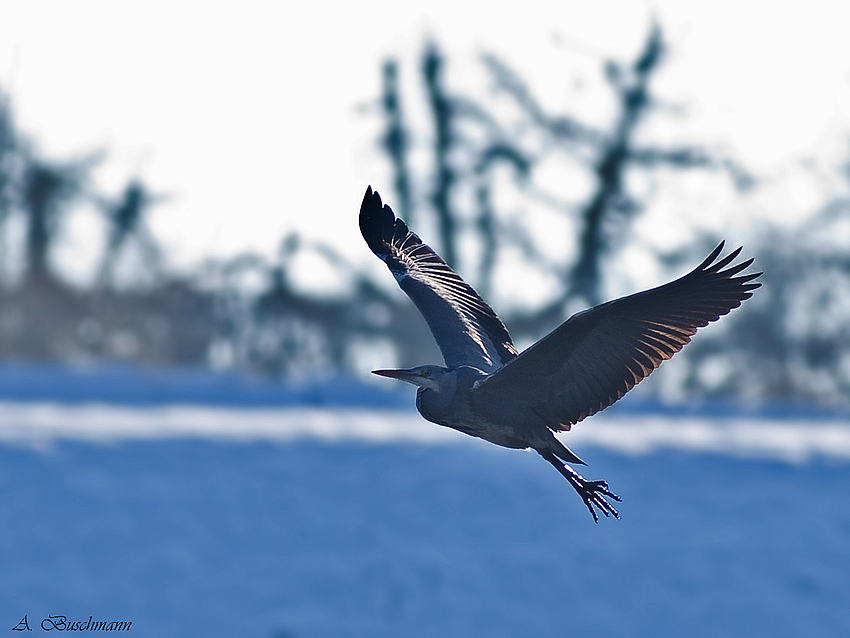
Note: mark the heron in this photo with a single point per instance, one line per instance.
(520, 400)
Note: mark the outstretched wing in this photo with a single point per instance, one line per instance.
(596, 356)
(467, 330)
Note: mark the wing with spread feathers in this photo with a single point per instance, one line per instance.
(596, 356)
(467, 330)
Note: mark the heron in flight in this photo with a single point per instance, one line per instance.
(519, 400)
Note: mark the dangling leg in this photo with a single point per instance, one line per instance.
(593, 493)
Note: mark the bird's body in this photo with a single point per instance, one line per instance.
(453, 401)
(489, 391)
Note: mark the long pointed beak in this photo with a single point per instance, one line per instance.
(401, 375)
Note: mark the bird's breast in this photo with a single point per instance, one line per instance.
(458, 415)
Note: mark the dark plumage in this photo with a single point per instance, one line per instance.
(590, 361)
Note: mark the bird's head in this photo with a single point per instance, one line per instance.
(432, 377)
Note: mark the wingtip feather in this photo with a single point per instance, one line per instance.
(726, 260)
(708, 260)
(377, 221)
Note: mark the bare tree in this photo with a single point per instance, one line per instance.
(469, 141)
(395, 140)
(126, 225)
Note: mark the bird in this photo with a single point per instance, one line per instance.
(487, 389)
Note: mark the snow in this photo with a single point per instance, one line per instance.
(275, 518)
(192, 537)
(39, 424)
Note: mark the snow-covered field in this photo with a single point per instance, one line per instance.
(238, 519)
(41, 424)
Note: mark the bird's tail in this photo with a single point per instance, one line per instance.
(566, 454)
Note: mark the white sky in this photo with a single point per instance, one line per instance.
(247, 115)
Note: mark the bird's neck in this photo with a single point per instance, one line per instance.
(433, 405)
(444, 405)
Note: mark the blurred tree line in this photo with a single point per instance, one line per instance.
(791, 341)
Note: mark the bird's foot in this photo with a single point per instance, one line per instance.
(593, 494)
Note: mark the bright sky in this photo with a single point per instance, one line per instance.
(250, 116)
